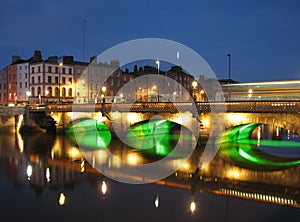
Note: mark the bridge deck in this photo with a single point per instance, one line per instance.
(202, 107)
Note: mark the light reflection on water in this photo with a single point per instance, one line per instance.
(46, 177)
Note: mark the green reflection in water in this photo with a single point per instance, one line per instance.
(237, 147)
(90, 133)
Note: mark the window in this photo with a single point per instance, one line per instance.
(32, 79)
(63, 92)
(20, 85)
(70, 70)
(32, 69)
(63, 70)
(56, 91)
(39, 79)
(49, 69)
(39, 69)
(25, 74)
(70, 80)
(56, 69)
(56, 79)
(26, 85)
(70, 92)
(49, 91)
(20, 67)
(39, 91)
(0, 85)
(49, 79)
(64, 80)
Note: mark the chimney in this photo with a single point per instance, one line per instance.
(68, 59)
(37, 57)
(53, 59)
(15, 58)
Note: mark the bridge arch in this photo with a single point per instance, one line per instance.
(287, 121)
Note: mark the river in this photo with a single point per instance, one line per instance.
(48, 177)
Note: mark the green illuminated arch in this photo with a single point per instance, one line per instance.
(89, 133)
(157, 137)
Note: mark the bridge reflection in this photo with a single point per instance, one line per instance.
(61, 164)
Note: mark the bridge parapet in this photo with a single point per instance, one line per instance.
(202, 107)
(12, 111)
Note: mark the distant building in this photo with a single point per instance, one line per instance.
(22, 81)
(50, 80)
(101, 81)
(3, 84)
(11, 78)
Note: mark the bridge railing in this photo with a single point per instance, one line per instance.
(202, 107)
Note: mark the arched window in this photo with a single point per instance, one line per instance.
(50, 91)
(70, 92)
(63, 92)
(39, 90)
(56, 92)
(32, 91)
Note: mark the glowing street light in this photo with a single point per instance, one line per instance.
(103, 93)
(194, 84)
(28, 94)
(157, 63)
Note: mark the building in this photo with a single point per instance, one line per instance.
(22, 81)
(79, 83)
(3, 90)
(51, 81)
(11, 78)
(99, 81)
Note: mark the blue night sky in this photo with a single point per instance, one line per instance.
(263, 37)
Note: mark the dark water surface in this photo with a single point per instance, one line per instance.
(36, 169)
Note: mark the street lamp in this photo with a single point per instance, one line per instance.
(157, 63)
(202, 95)
(28, 94)
(103, 93)
(194, 84)
(59, 67)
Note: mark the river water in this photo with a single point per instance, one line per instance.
(47, 177)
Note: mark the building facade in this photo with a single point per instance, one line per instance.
(3, 84)
(22, 81)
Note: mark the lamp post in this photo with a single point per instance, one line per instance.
(28, 94)
(59, 67)
(103, 93)
(157, 63)
(194, 84)
(229, 73)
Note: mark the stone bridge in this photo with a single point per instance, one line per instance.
(284, 114)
